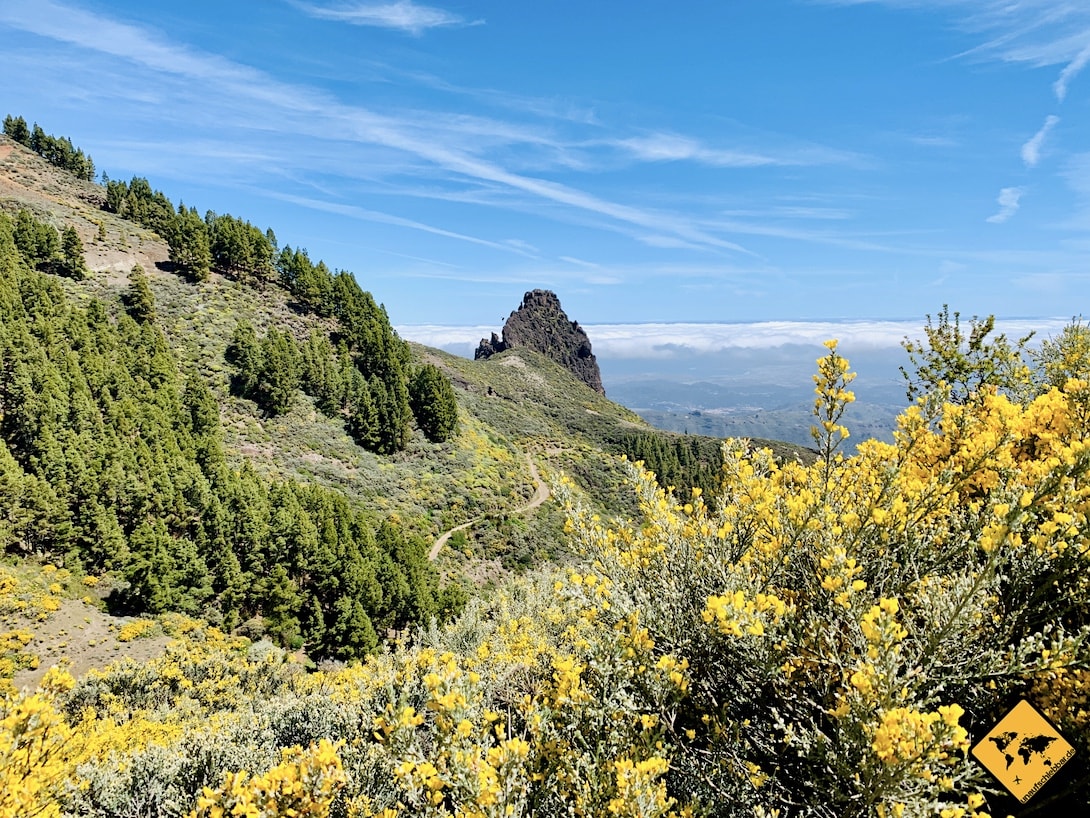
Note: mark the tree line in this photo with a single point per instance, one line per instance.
(680, 461)
(57, 150)
(43, 248)
(363, 374)
(271, 370)
(111, 456)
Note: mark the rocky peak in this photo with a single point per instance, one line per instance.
(540, 324)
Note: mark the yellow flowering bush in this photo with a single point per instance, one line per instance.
(13, 657)
(32, 592)
(847, 623)
(36, 750)
(821, 639)
(541, 711)
(137, 629)
(302, 785)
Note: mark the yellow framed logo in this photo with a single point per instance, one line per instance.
(1023, 751)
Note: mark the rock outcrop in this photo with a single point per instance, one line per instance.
(540, 324)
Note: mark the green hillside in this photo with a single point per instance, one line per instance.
(281, 447)
(210, 478)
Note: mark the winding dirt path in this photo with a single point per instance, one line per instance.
(541, 494)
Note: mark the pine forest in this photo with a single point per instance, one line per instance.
(263, 557)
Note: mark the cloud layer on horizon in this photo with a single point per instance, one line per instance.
(671, 340)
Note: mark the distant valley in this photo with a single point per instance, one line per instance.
(743, 379)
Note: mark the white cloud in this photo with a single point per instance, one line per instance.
(245, 94)
(792, 212)
(1038, 32)
(1055, 283)
(523, 247)
(672, 147)
(1070, 71)
(403, 15)
(668, 242)
(1076, 174)
(1031, 151)
(934, 141)
(363, 214)
(442, 336)
(1009, 198)
(669, 340)
(678, 340)
(581, 262)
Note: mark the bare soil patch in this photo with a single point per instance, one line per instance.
(81, 637)
(28, 181)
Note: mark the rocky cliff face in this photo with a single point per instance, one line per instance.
(540, 324)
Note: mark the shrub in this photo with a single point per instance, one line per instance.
(846, 623)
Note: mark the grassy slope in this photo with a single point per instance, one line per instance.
(514, 404)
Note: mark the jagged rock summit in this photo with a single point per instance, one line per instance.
(540, 324)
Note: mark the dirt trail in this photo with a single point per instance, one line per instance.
(541, 494)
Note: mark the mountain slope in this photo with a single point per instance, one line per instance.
(521, 420)
(280, 516)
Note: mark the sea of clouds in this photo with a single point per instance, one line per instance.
(675, 340)
(762, 369)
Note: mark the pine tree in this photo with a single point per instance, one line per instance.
(16, 128)
(321, 376)
(204, 424)
(31, 510)
(245, 353)
(37, 139)
(351, 634)
(312, 623)
(150, 573)
(138, 300)
(38, 242)
(362, 423)
(280, 606)
(189, 247)
(72, 261)
(280, 373)
(117, 194)
(433, 404)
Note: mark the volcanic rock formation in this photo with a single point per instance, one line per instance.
(540, 324)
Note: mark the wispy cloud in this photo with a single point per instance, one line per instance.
(559, 108)
(523, 247)
(1057, 283)
(672, 147)
(831, 239)
(934, 141)
(665, 147)
(363, 214)
(1076, 173)
(1038, 32)
(252, 99)
(668, 242)
(1031, 151)
(1009, 199)
(590, 265)
(1070, 71)
(403, 15)
(792, 212)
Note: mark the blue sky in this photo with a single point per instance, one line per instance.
(769, 160)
